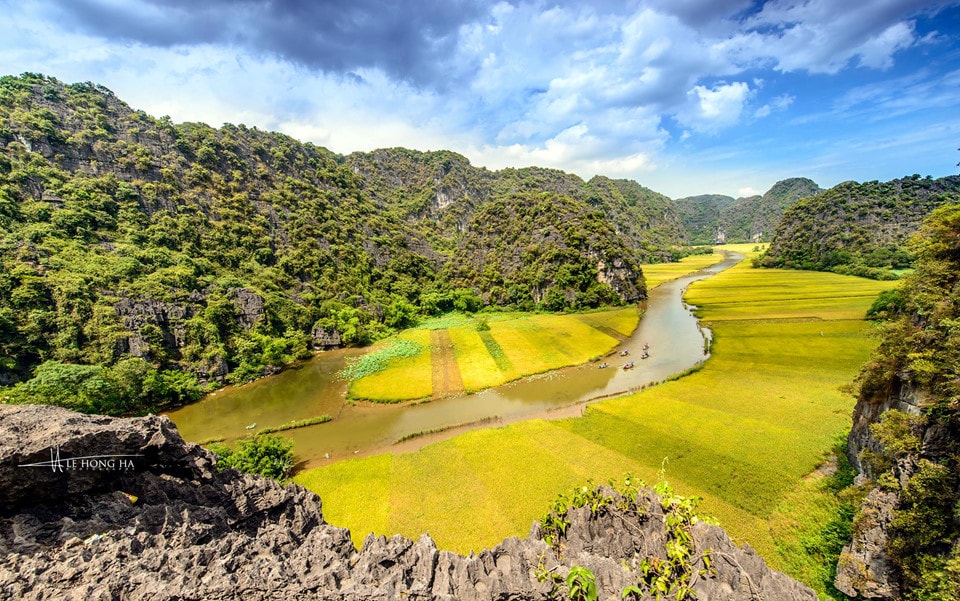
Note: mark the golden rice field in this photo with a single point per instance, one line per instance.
(742, 433)
(515, 345)
(658, 273)
(406, 378)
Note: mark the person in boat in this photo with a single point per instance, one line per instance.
(645, 346)
(603, 365)
(644, 355)
(624, 353)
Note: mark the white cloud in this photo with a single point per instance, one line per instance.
(604, 87)
(822, 36)
(780, 103)
(877, 52)
(712, 109)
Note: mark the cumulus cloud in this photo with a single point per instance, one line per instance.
(604, 86)
(712, 109)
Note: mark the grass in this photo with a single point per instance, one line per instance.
(742, 432)
(299, 423)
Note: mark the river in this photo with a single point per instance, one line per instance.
(676, 342)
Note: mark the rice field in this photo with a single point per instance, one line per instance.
(741, 433)
(658, 273)
(510, 347)
(403, 378)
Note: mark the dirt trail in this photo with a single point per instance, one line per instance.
(446, 371)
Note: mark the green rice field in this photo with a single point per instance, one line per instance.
(511, 346)
(742, 433)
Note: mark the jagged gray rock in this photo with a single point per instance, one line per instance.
(865, 568)
(70, 531)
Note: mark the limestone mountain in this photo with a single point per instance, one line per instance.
(858, 228)
(570, 258)
(905, 439)
(440, 192)
(700, 216)
(754, 218)
(171, 255)
(717, 219)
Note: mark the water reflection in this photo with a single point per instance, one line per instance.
(669, 327)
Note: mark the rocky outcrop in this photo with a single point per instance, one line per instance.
(865, 569)
(96, 508)
(902, 396)
(248, 306)
(167, 316)
(324, 339)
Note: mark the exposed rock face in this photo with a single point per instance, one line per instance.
(325, 339)
(865, 569)
(195, 533)
(249, 306)
(902, 397)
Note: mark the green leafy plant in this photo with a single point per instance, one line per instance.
(265, 455)
(581, 584)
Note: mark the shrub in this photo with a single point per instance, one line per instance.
(264, 455)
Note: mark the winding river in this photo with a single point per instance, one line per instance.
(676, 341)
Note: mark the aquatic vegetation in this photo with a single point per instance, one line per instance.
(379, 358)
(299, 423)
(403, 370)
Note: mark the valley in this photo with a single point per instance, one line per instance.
(428, 335)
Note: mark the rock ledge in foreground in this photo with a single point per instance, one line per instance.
(72, 532)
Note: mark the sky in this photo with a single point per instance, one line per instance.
(686, 97)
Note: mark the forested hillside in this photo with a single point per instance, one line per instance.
(142, 258)
(440, 192)
(754, 218)
(858, 228)
(701, 216)
(716, 219)
(906, 433)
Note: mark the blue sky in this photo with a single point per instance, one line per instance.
(684, 96)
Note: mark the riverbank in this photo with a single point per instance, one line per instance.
(361, 429)
(741, 433)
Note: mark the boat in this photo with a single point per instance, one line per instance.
(252, 426)
(603, 365)
(628, 365)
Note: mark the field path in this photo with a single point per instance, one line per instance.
(446, 371)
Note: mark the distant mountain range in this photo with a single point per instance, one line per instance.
(717, 219)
